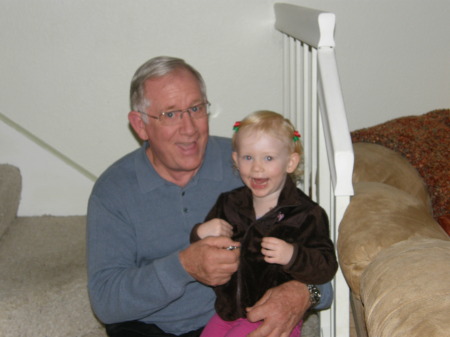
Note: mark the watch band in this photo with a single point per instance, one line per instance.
(314, 295)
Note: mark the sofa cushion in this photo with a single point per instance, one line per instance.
(423, 141)
(379, 216)
(379, 164)
(405, 290)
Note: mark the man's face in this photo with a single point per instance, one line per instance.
(176, 151)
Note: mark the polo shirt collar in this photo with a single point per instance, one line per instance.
(149, 180)
(213, 164)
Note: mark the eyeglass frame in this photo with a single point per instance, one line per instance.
(180, 112)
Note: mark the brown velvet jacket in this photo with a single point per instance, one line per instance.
(297, 220)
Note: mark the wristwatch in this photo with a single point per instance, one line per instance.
(314, 295)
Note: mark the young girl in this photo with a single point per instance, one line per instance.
(284, 235)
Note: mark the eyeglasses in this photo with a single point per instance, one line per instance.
(198, 111)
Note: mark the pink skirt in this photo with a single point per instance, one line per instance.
(241, 327)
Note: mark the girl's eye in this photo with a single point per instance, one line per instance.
(248, 157)
(269, 158)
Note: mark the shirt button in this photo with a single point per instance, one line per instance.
(183, 193)
(185, 210)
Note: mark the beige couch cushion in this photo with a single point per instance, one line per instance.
(406, 292)
(377, 163)
(379, 216)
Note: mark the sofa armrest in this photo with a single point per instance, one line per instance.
(379, 216)
(10, 188)
(377, 163)
(405, 290)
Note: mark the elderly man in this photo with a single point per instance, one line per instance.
(145, 279)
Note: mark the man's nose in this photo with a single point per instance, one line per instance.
(187, 122)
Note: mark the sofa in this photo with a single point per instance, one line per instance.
(393, 241)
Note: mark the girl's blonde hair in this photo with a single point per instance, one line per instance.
(277, 126)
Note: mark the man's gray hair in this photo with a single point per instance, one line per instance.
(153, 68)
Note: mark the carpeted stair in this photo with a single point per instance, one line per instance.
(42, 271)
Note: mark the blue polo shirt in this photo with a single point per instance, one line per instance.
(137, 223)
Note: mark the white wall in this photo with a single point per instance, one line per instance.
(49, 185)
(393, 56)
(65, 69)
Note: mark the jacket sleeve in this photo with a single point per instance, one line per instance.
(194, 236)
(215, 212)
(314, 261)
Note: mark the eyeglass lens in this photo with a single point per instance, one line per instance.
(195, 112)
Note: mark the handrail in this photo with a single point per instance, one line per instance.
(316, 29)
(47, 147)
(337, 134)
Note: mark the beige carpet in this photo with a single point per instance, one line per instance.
(43, 279)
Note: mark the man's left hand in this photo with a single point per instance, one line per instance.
(281, 309)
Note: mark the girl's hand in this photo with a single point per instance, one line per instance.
(276, 250)
(215, 227)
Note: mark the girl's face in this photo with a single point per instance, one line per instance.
(263, 162)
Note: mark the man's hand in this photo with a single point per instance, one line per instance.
(209, 262)
(215, 227)
(281, 308)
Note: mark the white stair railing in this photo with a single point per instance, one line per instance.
(313, 101)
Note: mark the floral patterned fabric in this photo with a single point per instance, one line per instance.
(424, 141)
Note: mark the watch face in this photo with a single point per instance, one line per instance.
(314, 294)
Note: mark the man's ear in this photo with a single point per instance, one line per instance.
(294, 160)
(138, 125)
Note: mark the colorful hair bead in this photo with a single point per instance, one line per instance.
(236, 126)
(296, 136)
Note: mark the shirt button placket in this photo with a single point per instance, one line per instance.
(185, 209)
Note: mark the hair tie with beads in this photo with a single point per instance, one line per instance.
(236, 126)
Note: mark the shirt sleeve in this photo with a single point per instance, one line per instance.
(326, 298)
(119, 289)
